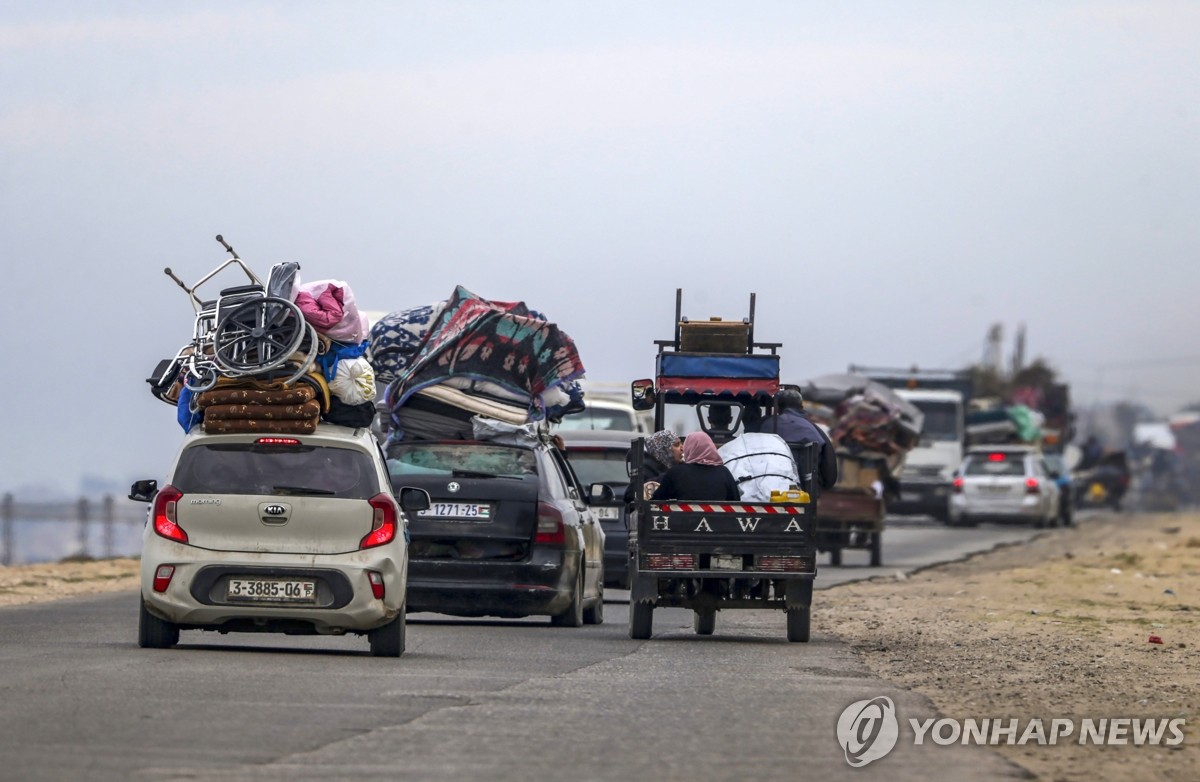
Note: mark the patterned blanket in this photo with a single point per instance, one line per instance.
(501, 342)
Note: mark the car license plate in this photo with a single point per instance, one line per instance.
(725, 562)
(273, 590)
(468, 511)
(910, 496)
(608, 513)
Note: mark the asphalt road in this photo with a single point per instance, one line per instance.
(470, 699)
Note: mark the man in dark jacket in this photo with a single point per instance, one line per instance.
(793, 426)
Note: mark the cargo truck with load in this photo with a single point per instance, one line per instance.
(712, 556)
(942, 396)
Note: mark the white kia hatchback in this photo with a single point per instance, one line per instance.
(296, 534)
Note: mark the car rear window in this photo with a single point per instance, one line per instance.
(600, 465)
(598, 418)
(998, 464)
(254, 468)
(464, 460)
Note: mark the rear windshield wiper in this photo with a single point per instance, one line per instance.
(304, 490)
(475, 474)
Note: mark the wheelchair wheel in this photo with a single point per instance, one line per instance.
(258, 335)
(200, 377)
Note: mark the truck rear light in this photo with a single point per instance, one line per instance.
(383, 522)
(162, 577)
(166, 504)
(1032, 486)
(550, 528)
(780, 563)
(376, 580)
(958, 485)
(669, 561)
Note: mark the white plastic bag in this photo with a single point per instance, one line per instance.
(353, 381)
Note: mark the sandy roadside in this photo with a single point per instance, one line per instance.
(1057, 628)
(51, 581)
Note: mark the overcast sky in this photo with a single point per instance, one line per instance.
(890, 178)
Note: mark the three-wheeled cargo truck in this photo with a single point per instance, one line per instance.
(707, 556)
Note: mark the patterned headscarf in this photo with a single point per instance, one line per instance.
(659, 445)
(699, 448)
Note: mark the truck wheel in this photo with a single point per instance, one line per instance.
(705, 621)
(835, 557)
(155, 633)
(641, 620)
(876, 549)
(388, 641)
(798, 623)
(573, 615)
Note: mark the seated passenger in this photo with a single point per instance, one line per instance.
(701, 476)
(663, 450)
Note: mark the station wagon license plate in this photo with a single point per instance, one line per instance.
(469, 511)
(272, 590)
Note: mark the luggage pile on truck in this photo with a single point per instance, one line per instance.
(278, 356)
(872, 429)
(445, 365)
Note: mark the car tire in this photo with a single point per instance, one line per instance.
(595, 614)
(388, 641)
(641, 620)
(155, 633)
(705, 621)
(573, 615)
(835, 557)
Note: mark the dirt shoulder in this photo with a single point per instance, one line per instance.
(51, 581)
(1060, 627)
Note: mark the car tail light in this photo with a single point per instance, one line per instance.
(669, 561)
(277, 441)
(376, 580)
(550, 528)
(958, 485)
(997, 457)
(383, 524)
(781, 563)
(162, 577)
(1032, 486)
(166, 504)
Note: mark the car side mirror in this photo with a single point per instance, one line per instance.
(413, 500)
(600, 493)
(642, 394)
(143, 491)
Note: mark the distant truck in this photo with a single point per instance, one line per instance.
(942, 395)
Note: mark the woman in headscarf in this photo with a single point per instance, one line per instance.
(664, 449)
(701, 476)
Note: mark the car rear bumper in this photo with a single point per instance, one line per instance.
(539, 585)
(196, 595)
(1028, 507)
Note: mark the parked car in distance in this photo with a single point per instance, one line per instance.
(1004, 482)
(602, 414)
(600, 457)
(508, 532)
(1057, 468)
(291, 534)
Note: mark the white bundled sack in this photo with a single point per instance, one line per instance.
(760, 463)
(353, 381)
